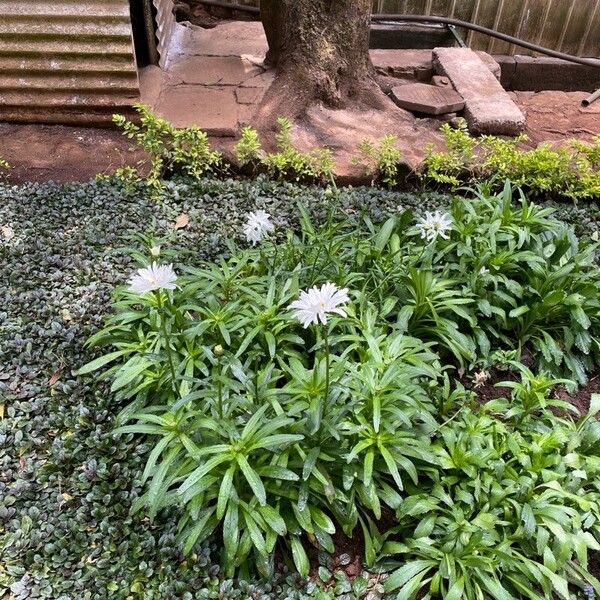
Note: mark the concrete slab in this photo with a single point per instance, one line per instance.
(528, 73)
(232, 38)
(418, 64)
(249, 95)
(402, 63)
(427, 99)
(264, 80)
(213, 109)
(212, 70)
(488, 107)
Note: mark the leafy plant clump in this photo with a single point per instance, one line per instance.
(568, 172)
(288, 163)
(381, 161)
(280, 416)
(172, 150)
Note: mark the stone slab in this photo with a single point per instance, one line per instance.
(231, 38)
(488, 107)
(417, 64)
(401, 63)
(427, 99)
(249, 95)
(536, 74)
(491, 63)
(215, 110)
(212, 70)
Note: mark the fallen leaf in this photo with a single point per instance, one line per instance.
(67, 497)
(182, 221)
(1, 411)
(55, 377)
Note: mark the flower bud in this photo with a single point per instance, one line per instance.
(155, 251)
(219, 350)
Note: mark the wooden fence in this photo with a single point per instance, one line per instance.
(571, 26)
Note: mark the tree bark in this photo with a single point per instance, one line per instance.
(320, 49)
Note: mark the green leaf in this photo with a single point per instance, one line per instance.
(273, 519)
(456, 591)
(100, 362)
(517, 312)
(196, 530)
(230, 529)
(156, 492)
(225, 490)
(404, 574)
(255, 534)
(156, 452)
(299, 556)
(253, 479)
(383, 235)
(202, 470)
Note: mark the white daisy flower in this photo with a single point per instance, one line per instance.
(314, 305)
(154, 277)
(257, 226)
(433, 225)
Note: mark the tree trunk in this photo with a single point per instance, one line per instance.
(320, 49)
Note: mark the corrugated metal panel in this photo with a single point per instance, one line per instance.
(165, 20)
(66, 61)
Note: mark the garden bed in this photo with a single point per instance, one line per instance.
(66, 483)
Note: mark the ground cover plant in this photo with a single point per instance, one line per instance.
(68, 484)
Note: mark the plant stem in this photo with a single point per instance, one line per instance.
(163, 322)
(326, 339)
(220, 391)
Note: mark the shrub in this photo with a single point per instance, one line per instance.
(171, 150)
(248, 149)
(287, 163)
(267, 430)
(380, 161)
(569, 172)
(290, 164)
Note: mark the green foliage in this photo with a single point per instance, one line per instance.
(565, 172)
(171, 150)
(272, 435)
(513, 510)
(380, 161)
(248, 149)
(68, 484)
(263, 429)
(535, 286)
(290, 164)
